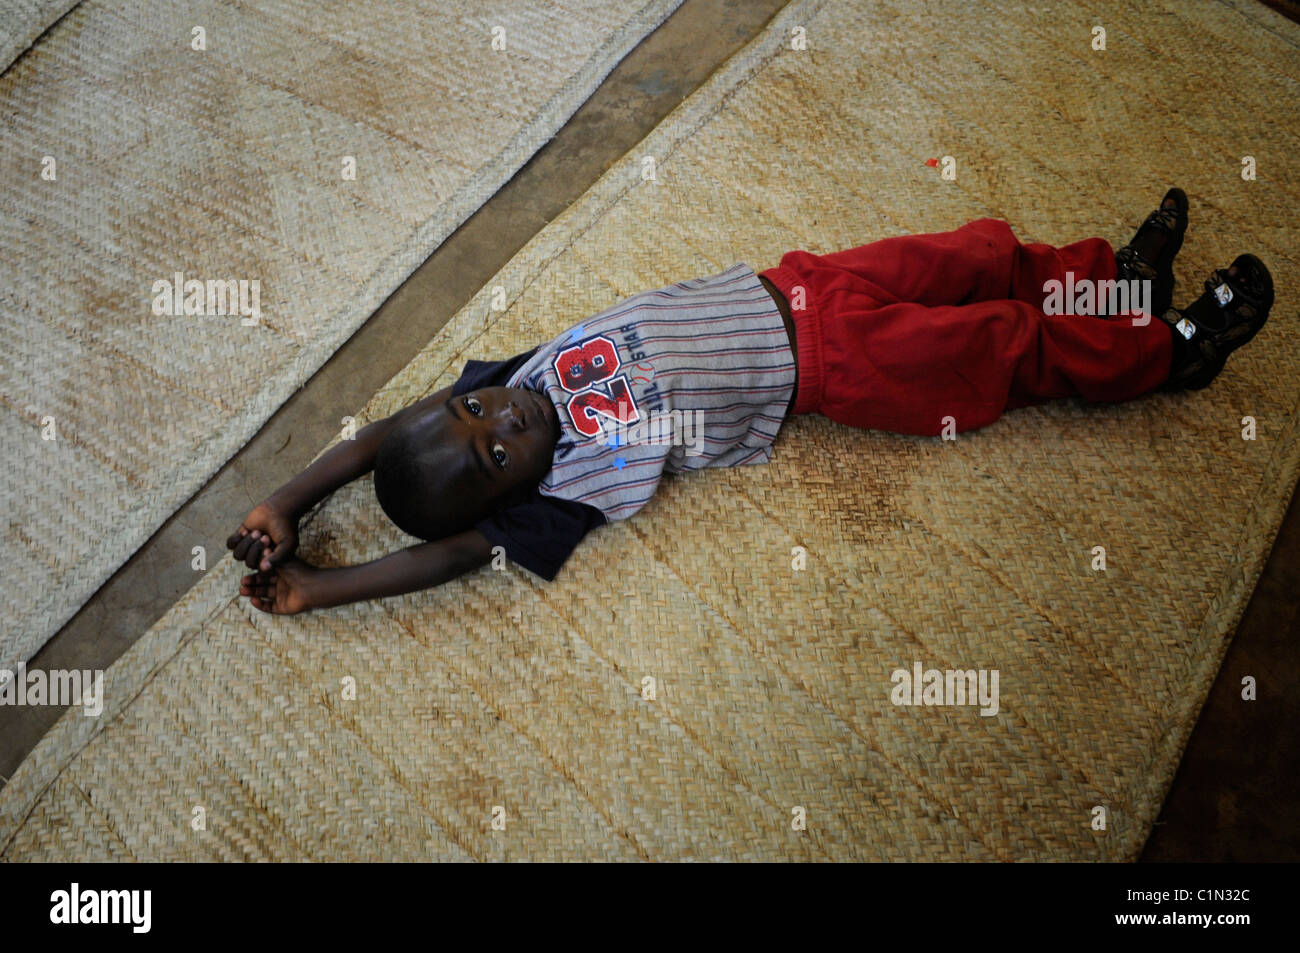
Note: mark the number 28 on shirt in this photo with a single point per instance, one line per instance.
(587, 371)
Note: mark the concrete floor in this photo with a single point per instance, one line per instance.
(1234, 797)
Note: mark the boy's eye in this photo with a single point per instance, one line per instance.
(473, 405)
(500, 456)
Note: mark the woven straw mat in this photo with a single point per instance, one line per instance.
(771, 685)
(228, 164)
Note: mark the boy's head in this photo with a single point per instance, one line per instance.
(439, 472)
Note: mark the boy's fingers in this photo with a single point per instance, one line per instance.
(259, 589)
(246, 545)
(254, 555)
(236, 536)
(276, 555)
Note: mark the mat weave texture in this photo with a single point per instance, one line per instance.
(229, 164)
(772, 685)
(22, 21)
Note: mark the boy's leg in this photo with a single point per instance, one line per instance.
(981, 261)
(905, 367)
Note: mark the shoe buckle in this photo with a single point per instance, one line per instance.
(1185, 328)
(1223, 294)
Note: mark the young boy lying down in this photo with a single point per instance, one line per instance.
(910, 334)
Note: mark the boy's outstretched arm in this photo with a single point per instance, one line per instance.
(269, 533)
(294, 586)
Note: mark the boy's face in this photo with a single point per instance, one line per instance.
(493, 440)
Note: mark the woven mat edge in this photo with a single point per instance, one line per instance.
(24, 40)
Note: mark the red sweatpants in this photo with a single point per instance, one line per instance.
(901, 333)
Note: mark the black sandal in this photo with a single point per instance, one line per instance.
(1131, 264)
(1229, 313)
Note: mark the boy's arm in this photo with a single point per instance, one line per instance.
(269, 533)
(296, 586)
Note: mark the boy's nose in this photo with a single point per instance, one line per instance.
(513, 416)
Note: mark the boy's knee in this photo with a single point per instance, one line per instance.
(995, 232)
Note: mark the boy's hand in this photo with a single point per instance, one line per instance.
(285, 589)
(267, 537)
